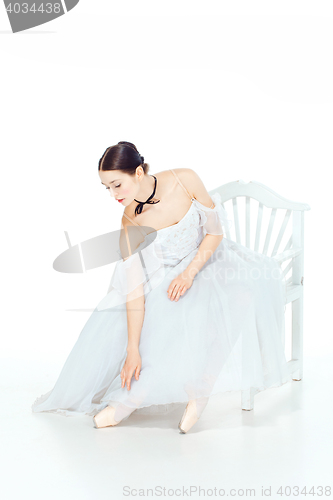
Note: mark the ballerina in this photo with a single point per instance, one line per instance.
(183, 318)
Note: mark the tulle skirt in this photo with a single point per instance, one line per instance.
(226, 333)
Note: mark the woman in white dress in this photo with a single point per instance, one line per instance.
(189, 313)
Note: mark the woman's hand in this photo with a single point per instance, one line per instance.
(179, 285)
(132, 364)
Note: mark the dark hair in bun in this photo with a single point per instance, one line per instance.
(123, 156)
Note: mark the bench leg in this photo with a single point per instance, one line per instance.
(297, 375)
(248, 399)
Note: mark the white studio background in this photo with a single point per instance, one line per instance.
(233, 91)
(233, 97)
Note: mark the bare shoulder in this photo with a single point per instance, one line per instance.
(194, 184)
(124, 221)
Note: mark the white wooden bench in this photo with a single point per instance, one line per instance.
(290, 254)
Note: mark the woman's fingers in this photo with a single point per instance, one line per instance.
(122, 376)
(170, 291)
(126, 380)
(173, 293)
(176, 291)
(178, 286)
(126, 377)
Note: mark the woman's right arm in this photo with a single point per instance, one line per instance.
(135, 307)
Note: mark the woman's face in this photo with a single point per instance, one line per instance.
(122, 187)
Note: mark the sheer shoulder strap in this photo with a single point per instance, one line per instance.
(182, 185)
(135, 223)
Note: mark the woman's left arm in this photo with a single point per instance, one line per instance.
(205, 250)
(210, 242)
(183, 282)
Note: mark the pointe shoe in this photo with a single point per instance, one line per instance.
(189, 417)
(105, 418)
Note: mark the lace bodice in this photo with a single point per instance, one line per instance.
(166, 247)
(180, 239)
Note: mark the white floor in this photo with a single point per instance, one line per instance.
(286, 441)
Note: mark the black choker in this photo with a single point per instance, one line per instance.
(139, 207)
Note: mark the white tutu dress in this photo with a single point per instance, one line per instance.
(226, 333)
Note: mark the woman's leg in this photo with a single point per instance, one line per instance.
(201, 404)
(123, 412)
